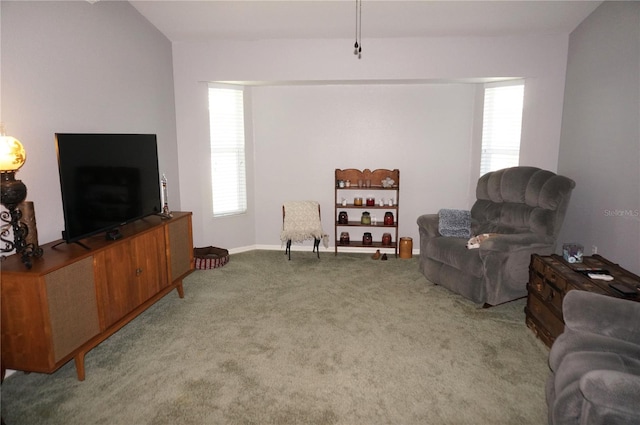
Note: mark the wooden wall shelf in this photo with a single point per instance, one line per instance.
(375, 189)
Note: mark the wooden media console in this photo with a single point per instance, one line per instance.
(73, 298)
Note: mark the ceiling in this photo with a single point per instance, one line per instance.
(193, 21)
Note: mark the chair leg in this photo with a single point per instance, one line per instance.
(288, 249)
(316, 246)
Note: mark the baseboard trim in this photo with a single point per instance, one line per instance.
(331, 249)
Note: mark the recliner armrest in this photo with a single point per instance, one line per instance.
(514, 242)
(609, 395)
(601, 314)
(430, 224)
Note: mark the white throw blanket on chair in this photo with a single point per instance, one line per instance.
(302, 222)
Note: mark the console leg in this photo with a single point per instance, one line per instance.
(180, 289)
(79, 360)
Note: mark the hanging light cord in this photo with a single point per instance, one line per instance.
(358, 45)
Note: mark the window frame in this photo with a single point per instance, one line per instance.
(509, 152)
(229, 191)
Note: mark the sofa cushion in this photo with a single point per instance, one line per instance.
(504, 218)
(536, 187)
(521, 199)
(515, 183)
(455, 223)
(516, 217)
(453, 252)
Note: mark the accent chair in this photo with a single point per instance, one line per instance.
(525, 206)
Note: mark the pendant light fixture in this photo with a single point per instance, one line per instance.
(358, 45)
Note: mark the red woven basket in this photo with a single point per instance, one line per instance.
(210, 257)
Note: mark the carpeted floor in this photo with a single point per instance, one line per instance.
(339, 340)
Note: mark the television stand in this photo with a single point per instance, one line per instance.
(71, 299)
(165, 215)
(113, 235)
(76, 242)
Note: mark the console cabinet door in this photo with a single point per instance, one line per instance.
(115, 278)
(150, 266)
(45, 318)
(73, 307)
(130, 273)
(179, 247)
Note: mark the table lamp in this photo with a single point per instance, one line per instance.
(12, 193)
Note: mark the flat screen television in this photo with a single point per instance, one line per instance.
(106, 180)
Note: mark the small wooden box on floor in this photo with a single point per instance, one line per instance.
(551, 277)
(74, 298)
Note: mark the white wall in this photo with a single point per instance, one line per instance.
(77, 67)
(431, 127)
(302, 133)
(600, 143)
(73, 66)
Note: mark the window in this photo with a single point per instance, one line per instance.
(228, 177)
(501, 126)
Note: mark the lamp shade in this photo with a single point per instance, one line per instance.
(12, 154)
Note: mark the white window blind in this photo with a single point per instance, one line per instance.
(228, 176)
(501, 126)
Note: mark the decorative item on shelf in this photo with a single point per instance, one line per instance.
(343, 217)
(367, 239)
(357, 201)
(381, 202)
(366, 218)
(344, 202)
(388, 182)
(406, 247)
(344, 238)
(391, 202)
(360, 183)
(367, 182)
(371, 201)
(341, 184)
(166, 212)
(388, 218)
(386, 239)
(572, 252)
(29, 218)
(347, 183)
(12, 193)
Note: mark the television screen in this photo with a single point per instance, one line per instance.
(106, 180)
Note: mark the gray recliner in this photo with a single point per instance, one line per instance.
(526, 207)
(595, 362)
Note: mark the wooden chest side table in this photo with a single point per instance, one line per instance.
(551, 277)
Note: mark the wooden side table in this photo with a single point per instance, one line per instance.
(551, 277)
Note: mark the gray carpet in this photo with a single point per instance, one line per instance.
(339, 340)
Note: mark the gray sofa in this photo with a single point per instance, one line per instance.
(526, 206)
(595, 362)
